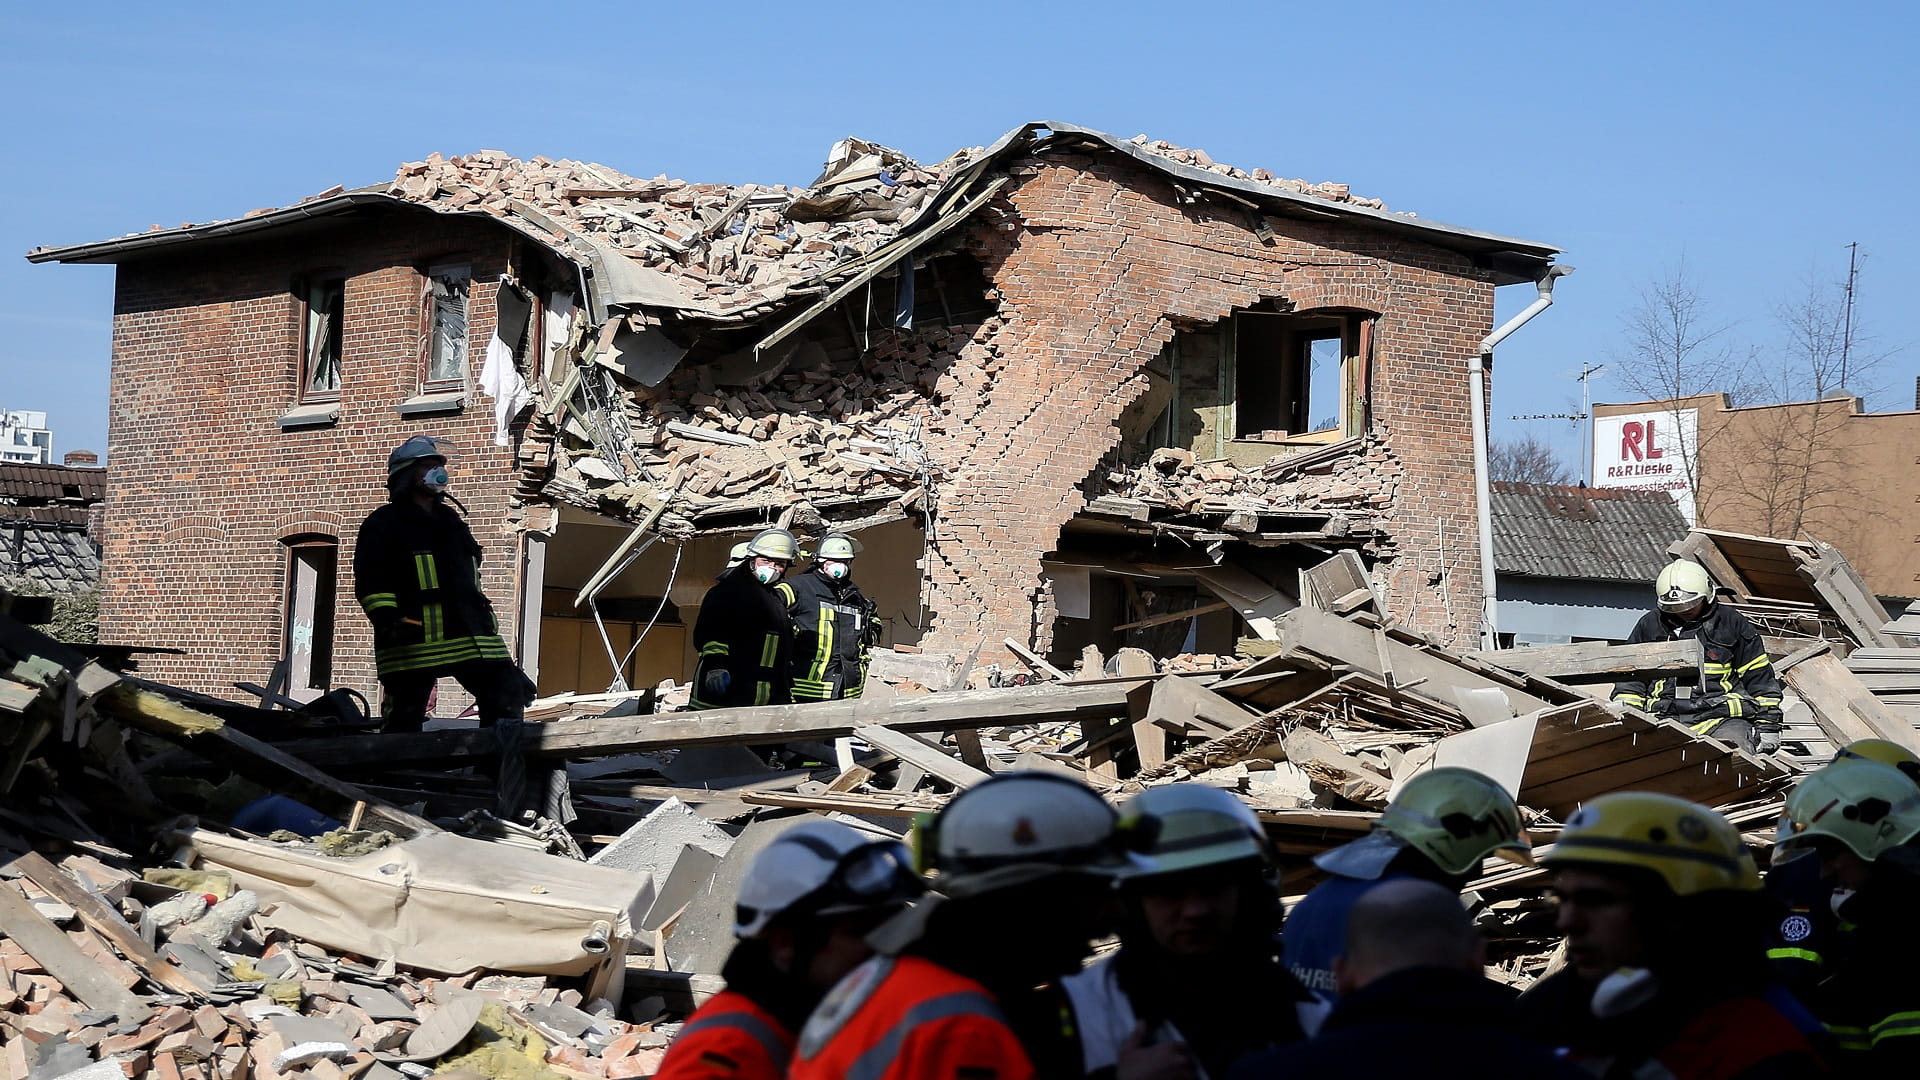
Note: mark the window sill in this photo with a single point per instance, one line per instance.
(319, 414)
(433, 404)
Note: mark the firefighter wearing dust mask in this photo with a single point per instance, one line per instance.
(833, 624)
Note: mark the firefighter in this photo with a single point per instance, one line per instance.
(416, 573)
(806, 904)
(743, 636)
(735, 556)
(1857, 820)
(833, 624)
(1736, 695)
(1023, 867)
(1663, 916)
(1207, 915)
(1807, 933)
(1439, 828)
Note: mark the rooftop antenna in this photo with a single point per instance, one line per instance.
(1846, 337)
(1588, 371)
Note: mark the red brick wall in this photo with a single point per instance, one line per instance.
(203, 484)
(1091, 266)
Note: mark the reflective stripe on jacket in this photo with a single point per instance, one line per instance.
(728, 1037)
(1736, 676)
(416, 573)
(743, 630)
(907, 1018)
(832, 635)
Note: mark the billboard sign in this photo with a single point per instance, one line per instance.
(1648, 450)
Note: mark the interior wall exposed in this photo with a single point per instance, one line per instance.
(574, 658)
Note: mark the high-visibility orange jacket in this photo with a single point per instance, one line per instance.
(728, 1038)
(907, 1018)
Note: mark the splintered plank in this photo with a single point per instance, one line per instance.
(914, 750)
(107, 922)
(82, 976)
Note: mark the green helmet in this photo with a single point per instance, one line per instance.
(1454, 816)
(838, 546)
(774, 544)
(1197, 826)
(417, 448)
(1683, 582)
(1870, 807)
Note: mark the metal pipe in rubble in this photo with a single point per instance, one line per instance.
(1478, 368)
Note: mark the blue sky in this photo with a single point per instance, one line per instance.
(1755, 139)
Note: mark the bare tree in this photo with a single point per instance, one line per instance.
(1526, 460)
(1672, 349)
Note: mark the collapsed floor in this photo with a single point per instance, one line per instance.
(156, 924)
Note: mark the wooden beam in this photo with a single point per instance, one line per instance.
(602, 736)
(1176, 616)
(1034, 659)
(1842, 705)
(79, 973)
(107, 922)
(911, 748)
(1596, 661)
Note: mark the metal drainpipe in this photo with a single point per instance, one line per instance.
(1478, 369)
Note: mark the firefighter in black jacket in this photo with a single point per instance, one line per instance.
(1736, 696)
(416, 573)
(833, 625)
(743, 635)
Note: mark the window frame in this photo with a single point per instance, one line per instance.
(430, 326)
(321, 607)
(307, 284)
(1353, 329)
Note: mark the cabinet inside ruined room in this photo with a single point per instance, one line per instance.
(1234, 389)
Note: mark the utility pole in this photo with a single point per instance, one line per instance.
(1846, 337)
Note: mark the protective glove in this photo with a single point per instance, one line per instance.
(1768, 742)
(717, 681)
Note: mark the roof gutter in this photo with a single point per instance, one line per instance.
(1479, 368)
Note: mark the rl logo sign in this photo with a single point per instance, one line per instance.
(1637, 441)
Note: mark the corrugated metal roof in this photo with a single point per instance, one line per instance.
(1593, 534)
(52, 483)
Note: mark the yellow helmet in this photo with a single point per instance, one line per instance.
(1692, 849)
(1884, 751)
(1868, 806)
(1683, 582)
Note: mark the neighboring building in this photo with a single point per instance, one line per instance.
(1577, 563)
(1058, 386)
(24, 438)
(1826, 469)
(45, 513)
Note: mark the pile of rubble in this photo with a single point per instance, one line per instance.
(1359, 485)
(1200, 159)
(725, 243)
(396, 926)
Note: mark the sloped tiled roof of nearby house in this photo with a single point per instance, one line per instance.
(1592, 534)
(42, 485)
(55, 554)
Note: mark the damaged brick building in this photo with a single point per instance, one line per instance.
(1066, 389)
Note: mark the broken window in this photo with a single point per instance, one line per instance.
(324, 297)
(447, 290)
(312, 572)
(1293, 374)
(1261, 376)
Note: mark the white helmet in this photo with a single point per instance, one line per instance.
(1024, 826)
(1682, 583)
(1198, 826)
(823, 868)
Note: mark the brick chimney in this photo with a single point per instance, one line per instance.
(81, 457)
